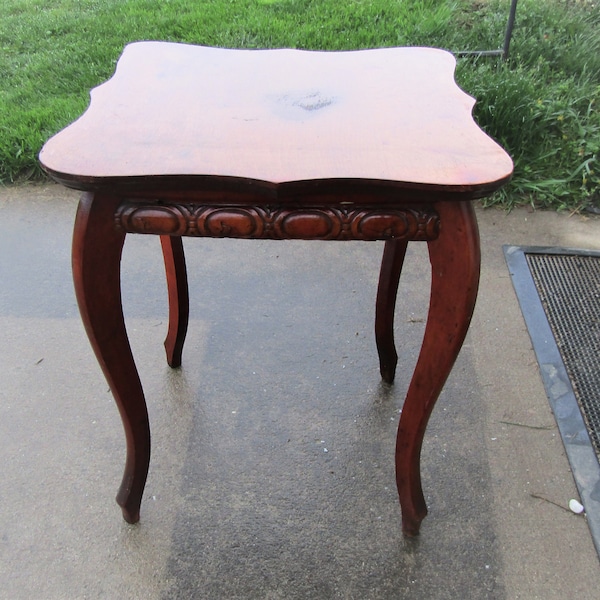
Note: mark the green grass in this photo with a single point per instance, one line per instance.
(542, 104)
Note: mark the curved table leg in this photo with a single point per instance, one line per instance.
(179, 306)
(455, 262)
(391, 266)
(97, 248)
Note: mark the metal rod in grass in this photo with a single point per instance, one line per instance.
(503, 52)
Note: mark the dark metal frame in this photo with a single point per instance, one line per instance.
(578, 445)
(503, 52)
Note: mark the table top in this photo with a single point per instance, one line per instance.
(391, 117)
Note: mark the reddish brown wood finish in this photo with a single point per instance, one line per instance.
(301, 221)
(279, 144)
(394, 252)
(278, 121)
(179, 304)
(455, 260)
(97, 248)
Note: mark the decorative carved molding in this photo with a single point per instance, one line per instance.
(278, 222)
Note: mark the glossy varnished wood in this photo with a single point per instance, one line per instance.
(278, 119)
(97, 248)
(394, 252)
(179, 304)
(279, 144)
(455, 261)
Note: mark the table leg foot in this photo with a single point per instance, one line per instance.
(411, 524)
(130, 514)
(391, 267)
(455, 262)
(177, 286)
(97, 248)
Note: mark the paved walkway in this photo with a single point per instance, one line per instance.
(272, 470)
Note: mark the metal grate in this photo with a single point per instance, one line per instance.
(569, 287)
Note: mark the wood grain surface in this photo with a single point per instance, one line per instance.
(390, 115)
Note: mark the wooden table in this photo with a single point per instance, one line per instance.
(279, 144)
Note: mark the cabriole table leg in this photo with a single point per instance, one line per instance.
(179, 303)
(455, 262)
(391, 267)
(97, 248)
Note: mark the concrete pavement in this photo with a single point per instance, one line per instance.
(272, 471)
